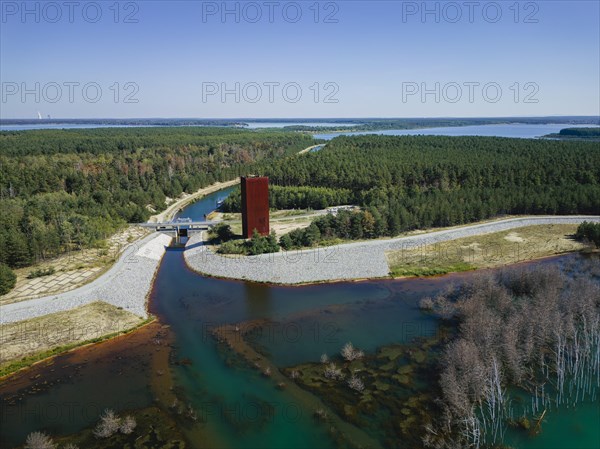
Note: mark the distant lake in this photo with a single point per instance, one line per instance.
(520, 130)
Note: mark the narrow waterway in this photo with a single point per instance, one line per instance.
(236, 405)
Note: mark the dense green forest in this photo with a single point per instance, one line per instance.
(580, 132)
(589, 232)
(409, 182)
(371, 124)
(589, 134)
(7, 279)
(303, 197)
(64, 189)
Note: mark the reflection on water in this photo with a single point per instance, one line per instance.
(69, 393)
(235, 405)
(198, 210)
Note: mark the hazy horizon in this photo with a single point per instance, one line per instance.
(558, 116)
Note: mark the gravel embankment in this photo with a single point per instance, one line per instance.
(358, 260)
(126, 284)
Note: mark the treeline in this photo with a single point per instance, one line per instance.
(580, 132)
(65, 189)
(114, 140)
(8, 279)
(354, 225)
(254, 246)
(302, 197)
(425, 181)
(589, 232)
(414, 123)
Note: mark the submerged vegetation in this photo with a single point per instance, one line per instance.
(511, 347)
(150, 427)
(388, 393)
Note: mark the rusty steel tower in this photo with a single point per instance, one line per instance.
(255, 205)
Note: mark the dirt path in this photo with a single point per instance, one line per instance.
(307, 150)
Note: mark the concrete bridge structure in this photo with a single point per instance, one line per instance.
(181, 227)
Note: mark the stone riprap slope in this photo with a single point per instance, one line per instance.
(348, 261)
(125, 285)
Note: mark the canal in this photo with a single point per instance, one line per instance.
(234, 401)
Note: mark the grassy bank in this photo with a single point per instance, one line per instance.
(484, 251)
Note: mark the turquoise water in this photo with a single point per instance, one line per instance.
(304, 323)
(238, 407)
(577, 428)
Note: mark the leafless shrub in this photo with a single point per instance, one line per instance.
(426, 303)
(294, 374)
(109, 424)
(350, 353)
(128, 425)
(324, 358)
(321, 414)
(39, 440)
(333, 372)
(356, 384)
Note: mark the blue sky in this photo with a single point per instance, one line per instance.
(370, 59)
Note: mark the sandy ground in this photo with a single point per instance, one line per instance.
(91, 321)
(307, 150)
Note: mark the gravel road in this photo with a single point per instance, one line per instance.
(358, 260)
(126, 284)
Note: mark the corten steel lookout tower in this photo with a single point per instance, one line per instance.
(255, 205)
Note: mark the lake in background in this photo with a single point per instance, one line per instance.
(518, 130)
